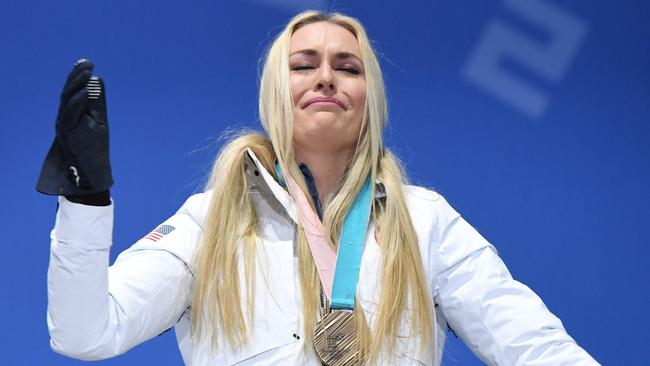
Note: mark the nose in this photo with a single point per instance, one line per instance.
(325, 79)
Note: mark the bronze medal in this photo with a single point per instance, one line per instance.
(335, 339)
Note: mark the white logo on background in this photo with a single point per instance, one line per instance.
(548, 60)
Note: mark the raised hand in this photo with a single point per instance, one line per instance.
(78, 162)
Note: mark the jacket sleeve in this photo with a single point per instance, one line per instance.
(500, 319)
(96, 311)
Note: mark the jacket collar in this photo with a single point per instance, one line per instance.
(261, 176)
(269, 181)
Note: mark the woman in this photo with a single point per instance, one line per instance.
(307, 247)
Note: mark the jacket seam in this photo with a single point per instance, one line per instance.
(480, 319)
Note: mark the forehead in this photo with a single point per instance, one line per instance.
(324, 36)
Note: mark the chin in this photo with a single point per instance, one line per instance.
(324, 118)
(326, 122)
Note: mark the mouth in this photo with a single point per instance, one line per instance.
(325, 102)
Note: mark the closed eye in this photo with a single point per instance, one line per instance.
(300, 68)
(350, 70)
(346, 69)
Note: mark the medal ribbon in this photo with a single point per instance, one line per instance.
(348, 260)
(339, 274)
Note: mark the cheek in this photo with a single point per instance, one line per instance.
(296, 89)
(358, 94)
(359, 102)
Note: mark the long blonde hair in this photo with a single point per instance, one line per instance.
(217, 304)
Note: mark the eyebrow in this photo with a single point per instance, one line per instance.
(313, 52)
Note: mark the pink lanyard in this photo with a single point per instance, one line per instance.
(322, 249)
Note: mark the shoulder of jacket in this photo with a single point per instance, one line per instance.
(196, 206)
(421, 193)
(427, 202)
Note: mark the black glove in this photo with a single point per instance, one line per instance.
(78, 162)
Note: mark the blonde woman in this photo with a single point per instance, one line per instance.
(306, 248)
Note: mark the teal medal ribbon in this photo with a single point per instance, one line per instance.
(348, 259)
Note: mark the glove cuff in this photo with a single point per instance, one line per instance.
(94, 199)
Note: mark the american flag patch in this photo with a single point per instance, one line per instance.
(160, 232)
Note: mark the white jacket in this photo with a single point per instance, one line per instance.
(96, 311)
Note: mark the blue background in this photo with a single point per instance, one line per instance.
(561, 191)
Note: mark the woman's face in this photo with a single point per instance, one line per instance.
(325, 62)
